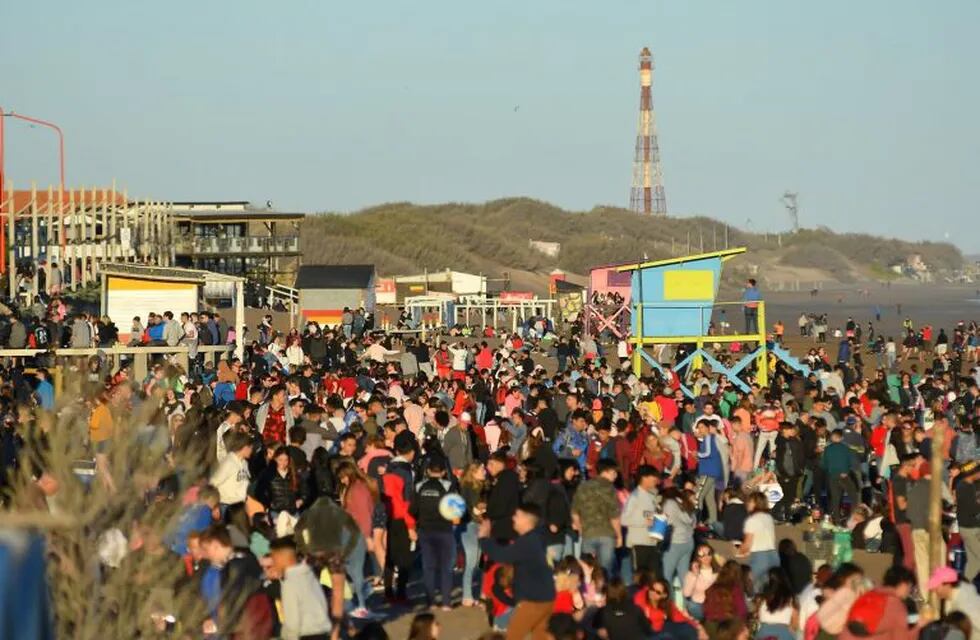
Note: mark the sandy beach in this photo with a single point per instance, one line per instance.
(941, 306)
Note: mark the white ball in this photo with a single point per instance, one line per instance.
(452, 506)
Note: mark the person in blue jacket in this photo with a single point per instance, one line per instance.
(572, 442)
(711, 470)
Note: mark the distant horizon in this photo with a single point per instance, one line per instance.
(861, 108)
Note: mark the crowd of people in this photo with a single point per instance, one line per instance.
(313, 476)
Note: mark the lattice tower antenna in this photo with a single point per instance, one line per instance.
(647, 195)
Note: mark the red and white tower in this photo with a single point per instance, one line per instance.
(647, 195)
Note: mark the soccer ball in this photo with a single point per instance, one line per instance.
(452, 506)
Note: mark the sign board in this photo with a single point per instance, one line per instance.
(516, 296)
(384, 291)
(129, 297)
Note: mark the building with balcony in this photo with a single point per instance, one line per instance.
(239, 239)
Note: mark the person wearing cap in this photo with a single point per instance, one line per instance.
(958, 594)
(968, 514)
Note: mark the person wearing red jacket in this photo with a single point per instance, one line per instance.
(398, 484)
(444, 361)
(484, 358)
(664, 616)
(604, 446)
(668, 407)
(879, 436)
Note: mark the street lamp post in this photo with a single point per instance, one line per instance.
(61, 169)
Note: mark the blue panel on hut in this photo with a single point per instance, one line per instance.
(677, 295)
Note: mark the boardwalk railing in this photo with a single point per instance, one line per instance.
(139, 357)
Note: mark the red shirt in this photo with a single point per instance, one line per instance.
(564, 602)
(275, 425)
(348, 387)
(656, 616)
(668, 409)
(879, 440)
(484, 359)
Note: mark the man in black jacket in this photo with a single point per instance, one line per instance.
(505, 492)
(436, 540)
(790, 461)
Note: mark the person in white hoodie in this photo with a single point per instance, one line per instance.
(231, 478)
(637, 517)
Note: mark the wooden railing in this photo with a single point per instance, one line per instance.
(140, 357)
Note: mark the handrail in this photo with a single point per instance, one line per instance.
(695, 305)
(116, 349)
(140, 356)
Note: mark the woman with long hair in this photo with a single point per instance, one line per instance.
(725, 599)
(358, 495)
(665, 618)
(473, 488)
(278, 487)
(759, 543)
(655, 455)
(424, 627)
(703, 572)
(777, 608)
(679, 510)
(320, 479)
(294, 352)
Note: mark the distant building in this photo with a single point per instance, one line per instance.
(325, 290)
(550, 249)
(236, 238)
(455, 282)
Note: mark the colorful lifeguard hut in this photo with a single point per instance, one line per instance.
(672, 301)
(607, 282)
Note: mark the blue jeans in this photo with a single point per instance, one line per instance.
(777, 631)
(555, 553)
(469, 539)
(503, 620)
(677, 559)
(603, 548)
(438, 557)
(761, 562)
(359, 587)
(694, 609)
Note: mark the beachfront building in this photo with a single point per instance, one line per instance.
(236, 238)
(326, 290)
(77, 229)
(456, 283)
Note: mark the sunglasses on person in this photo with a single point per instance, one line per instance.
(704, 554)
(659, 592)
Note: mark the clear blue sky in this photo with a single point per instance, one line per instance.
(868, 109)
